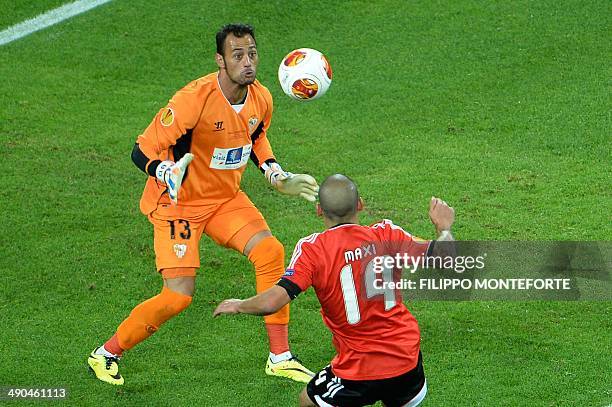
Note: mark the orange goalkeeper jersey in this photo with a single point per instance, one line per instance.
(199, 119)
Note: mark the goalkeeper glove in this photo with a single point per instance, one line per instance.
(171, 174)
(292, 184)
(299, 184)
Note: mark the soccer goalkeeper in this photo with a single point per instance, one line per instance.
(195, 151)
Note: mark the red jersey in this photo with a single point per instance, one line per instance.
(374, 334)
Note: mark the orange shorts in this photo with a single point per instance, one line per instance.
(177, 238)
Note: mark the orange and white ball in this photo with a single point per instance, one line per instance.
(305, 74)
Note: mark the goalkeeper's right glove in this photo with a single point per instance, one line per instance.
(171, 174)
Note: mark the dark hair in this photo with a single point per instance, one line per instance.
(238, 29)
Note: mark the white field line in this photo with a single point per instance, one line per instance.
(47, 19)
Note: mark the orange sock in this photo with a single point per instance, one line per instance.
(278, 336)
(146, 318)
(268, 257)
(112, 345)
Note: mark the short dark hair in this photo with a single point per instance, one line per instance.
(238, 29)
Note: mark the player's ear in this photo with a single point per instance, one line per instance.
(220, 61)
(319, 210)
(360, 205)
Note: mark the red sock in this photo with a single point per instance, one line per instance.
(112, 345)
(278, 335)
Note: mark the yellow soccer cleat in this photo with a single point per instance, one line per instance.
(105, 368)
(291, 369)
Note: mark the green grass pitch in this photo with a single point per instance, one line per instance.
(501, 108)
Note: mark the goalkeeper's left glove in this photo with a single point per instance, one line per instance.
(292, 184)
(172, 174)
(299, 184)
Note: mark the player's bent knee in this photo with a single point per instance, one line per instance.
(146, 318)
(268, 257)
(183, 284)
(172, 303)
(251, 242)
(268, 252)
(276, 251)
(180, 302)
(277, 248)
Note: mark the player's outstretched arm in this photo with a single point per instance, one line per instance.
(302, 185)
(265, 303)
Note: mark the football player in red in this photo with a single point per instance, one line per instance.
(376, 338)
(215, 125)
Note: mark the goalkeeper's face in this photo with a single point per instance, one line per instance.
(240, 59)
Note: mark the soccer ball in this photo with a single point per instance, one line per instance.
(304, 74)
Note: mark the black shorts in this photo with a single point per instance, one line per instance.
(408, 389)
